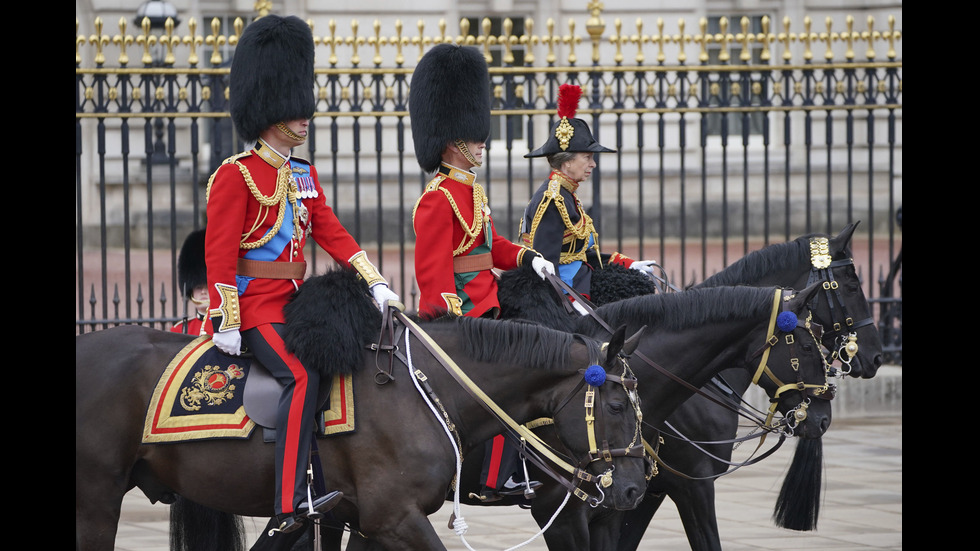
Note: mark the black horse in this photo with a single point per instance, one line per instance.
(840, 307)
(395, 468)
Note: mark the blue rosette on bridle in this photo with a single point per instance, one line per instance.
(786, 321)
(595, 375)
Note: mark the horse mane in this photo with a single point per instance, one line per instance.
(688, 309)
(757, 264)
(527, 345)
(330, 320)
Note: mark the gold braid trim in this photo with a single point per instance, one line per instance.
(580, 231)
(228, 310)
(367, 270)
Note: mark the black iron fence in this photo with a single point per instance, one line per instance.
(747, 137)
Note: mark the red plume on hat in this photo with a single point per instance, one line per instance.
(569, 134)
(568, 96)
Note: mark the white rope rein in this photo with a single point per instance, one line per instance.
(459, 524)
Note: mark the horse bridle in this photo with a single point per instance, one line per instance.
(540, 453)
(783, 323)
(845, 330)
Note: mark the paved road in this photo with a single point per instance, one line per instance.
(861, 507)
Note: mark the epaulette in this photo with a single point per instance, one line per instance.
(431, 186)
(229, 160)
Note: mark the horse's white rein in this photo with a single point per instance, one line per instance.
(459, 524)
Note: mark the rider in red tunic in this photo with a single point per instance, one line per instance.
(262, 205)
(456, 243)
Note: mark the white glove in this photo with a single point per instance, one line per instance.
(579, 308)
(542, 266)
(383, 294)
(645, 266)
(229, 342)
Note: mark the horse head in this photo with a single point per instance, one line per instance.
(610, 406)
(842, 308)
(791, 367)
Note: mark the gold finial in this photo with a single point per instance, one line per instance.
(99, 40)
(399, 42)
(744, 37)
(723, 38)
(806, 38)
(765, 38)
(870, 35)
(488, 39)
(377, 40)
(703, 40)
(849, 37)
(528, 39)
(892, 36)
(262, 7)
(551, 40)
(333, 41)
(571, 40)
(508, 40)
(828, 37)
(147, 41)
(354, 41)
(170, 40)
(193, 40)
(215, 40)
(617, 39)
(640, 38)
(122, 40)
(785, 38)
(420, 25)
(595, 27)
(464, 31)
(681, 39)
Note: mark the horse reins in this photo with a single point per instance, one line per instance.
(517, 431)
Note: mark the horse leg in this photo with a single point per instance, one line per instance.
(98, 503)
(635, 522)
(696, 507)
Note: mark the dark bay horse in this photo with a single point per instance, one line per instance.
(840, 307)
(695, 334)
(395, 468)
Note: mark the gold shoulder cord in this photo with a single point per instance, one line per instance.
(583, 230)
(285, 190)
(479, 220)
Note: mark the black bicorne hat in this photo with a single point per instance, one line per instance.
(271, 79)
(449, 100)
(569, 135)
(191, 269)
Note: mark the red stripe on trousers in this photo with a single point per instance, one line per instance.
(496, 454)
(293, 426)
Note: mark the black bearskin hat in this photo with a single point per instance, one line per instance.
(449, 100)
(569, 135)
(271, 78)
(191, 270)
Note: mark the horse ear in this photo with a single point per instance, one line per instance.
(631, 343)
(800, 300)
(843, 240)
(615, 344)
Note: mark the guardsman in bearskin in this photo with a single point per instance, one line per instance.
(555, 223)
(262, 205)
(456, 244)
(192, 277)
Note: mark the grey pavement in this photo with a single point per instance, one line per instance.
(861, 506)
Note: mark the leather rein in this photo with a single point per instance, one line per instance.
(532, 447)
(762, 353)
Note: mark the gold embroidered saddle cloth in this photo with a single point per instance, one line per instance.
(206, 394)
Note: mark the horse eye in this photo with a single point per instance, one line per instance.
(617, 407)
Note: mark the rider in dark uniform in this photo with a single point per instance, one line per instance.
(555, 222)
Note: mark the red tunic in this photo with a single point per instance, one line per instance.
(196, 326)
(440, 236)
(235, 214)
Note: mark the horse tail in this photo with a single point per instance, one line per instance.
(798, 504)
(194, 527)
